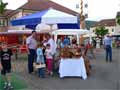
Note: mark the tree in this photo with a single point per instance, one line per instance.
(101, 31)
(2, 6)
(118, 20)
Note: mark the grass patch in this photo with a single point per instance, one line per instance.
(16, 82)
(21, 56)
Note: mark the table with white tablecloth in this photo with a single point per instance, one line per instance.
(72, 67)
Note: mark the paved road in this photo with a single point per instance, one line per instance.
(105, 76)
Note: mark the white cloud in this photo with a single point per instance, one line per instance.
(103, 8)
(97, 9)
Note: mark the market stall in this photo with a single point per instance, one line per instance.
(63, 20)
(72, 60)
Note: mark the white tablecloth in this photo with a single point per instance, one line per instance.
(72, 67)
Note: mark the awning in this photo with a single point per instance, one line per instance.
(71, 32)
(60, 26)
(49, 16)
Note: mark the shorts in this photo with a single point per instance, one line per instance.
(5, 71)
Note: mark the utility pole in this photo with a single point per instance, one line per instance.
(82, 17)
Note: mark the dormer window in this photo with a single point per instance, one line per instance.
(3, 22)
(112, 30)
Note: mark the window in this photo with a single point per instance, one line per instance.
(77, 6)
(112, 30)
(13, 18)
(3, 22)
(86, 5)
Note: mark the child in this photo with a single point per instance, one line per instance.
(40, 60)
(5, 65)
(49, 59)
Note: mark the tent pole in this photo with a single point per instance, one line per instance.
(55, 38)
(78, 39)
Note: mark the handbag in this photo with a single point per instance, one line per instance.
(40, 65)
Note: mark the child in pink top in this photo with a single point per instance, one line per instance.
(49, 59)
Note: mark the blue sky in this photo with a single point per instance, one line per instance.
(97, 9)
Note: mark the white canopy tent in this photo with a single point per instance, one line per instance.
(53, 16)
(49, 17)
(76, 32)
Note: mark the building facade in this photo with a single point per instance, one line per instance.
(117, 32)
(109, 24)
(28, 8)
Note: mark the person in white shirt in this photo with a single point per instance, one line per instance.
(97, 43)
(53, 46)
(52, 43)
(31, 43)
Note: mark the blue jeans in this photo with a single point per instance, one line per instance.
(108, 53)
(31, 59)
(41, 72)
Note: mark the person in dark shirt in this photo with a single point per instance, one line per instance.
(5, 65)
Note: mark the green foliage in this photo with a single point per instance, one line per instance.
(118, 20)
(2, 6)
(17, 83)
(101, 31)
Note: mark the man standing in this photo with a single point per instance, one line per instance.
(31, 48)
(107, 42)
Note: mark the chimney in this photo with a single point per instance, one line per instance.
(32, 0)
(29, 0)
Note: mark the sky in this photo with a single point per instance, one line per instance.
(97, 9)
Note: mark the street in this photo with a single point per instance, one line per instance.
(105, 76)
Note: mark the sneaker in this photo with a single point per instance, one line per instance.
(5, 86)
(51, 73)
(10, 87)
